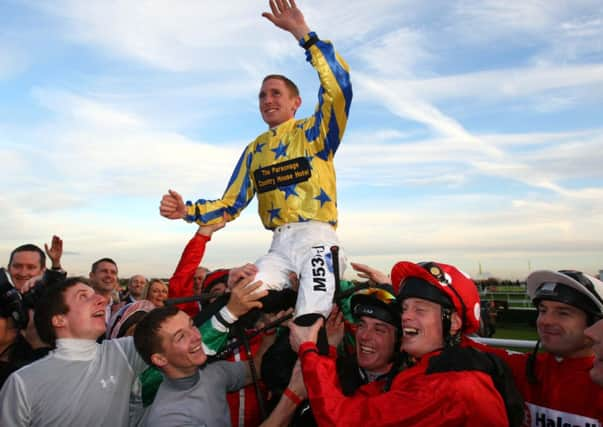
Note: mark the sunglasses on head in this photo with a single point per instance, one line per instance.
(381, 294)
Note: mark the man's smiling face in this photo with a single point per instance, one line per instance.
(277, 103)
(182, 350)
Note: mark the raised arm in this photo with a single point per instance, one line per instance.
(326, 128)
(55, 252)
(283, 413)
(181, 282)
(288, 17)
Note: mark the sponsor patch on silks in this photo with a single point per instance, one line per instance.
(282, 174)
(319, 269)
(539, 416)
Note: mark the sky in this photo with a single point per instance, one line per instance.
(475, 135)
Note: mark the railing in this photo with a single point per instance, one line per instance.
(501, 342)
(512, 297)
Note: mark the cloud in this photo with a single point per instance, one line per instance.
(502, 84)
(188, 35)
(79, 108)
(550, 161)
(403, 102)
(469, 228)
(488, 19)
(577, 39)
(93, 148)
(554, 162)
(394, 54)
(484, 21)
(455, 228)
(435, 164)
(193, 37)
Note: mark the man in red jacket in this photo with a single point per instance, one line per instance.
(439, 304)
(555, 383)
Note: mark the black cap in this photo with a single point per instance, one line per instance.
(551, 291)
(378, 303)
(415, 287)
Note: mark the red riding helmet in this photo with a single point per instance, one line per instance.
(449, 282)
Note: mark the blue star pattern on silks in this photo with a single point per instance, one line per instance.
(280, 151)
(323, 154)
(289, 190)
(322, 197)
(274, 213)
(294, 152)
(258, 148)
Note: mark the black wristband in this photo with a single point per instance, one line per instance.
(309, 350)
(310, 41)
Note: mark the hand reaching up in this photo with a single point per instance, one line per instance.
(287, 16)
(245, 296)
(335, 327)
(55, 251)
(371, 273)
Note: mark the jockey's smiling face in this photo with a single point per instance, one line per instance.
(277, 103)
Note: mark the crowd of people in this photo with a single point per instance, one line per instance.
(412, 359)
(284, 340)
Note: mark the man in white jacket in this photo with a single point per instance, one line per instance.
(81, 382)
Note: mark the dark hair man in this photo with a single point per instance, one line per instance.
(291, 169)
(80, 383)
(376, 313)
(168, 339)
(216, 284)
(104, 281)
(555, 383)
(28, 261)
(439, 305)
(19, 341)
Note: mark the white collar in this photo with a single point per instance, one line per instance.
(75, 349)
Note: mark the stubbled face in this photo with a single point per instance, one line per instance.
(158, 293)
(86, 316)
(277, 104)
(421, 326)
(595, 333)
(181, 344)
(198, 279)
(104, 278)
(24, 266)
(561, 329)
(137, 285)
(375, 341)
